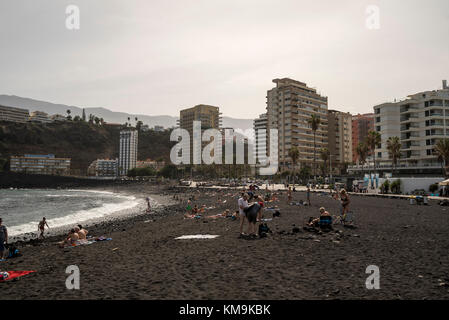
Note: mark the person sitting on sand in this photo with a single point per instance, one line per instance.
(82, 233)
(41, 227)
(71, 239)
(195, 209)
(314, 222)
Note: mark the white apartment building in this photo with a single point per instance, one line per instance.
(419, 121)
(40, 117)
(57, 118)
(13, 114)
(261, 136)
(290, 106)
(128, 151)
(103, 168)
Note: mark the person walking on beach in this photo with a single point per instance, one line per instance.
(3, 238)
(289, 195)
(243, 204)
(41, 227)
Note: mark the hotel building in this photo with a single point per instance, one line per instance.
(40, 164)
(128, 151)
(39, 116)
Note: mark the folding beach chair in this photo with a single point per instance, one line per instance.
(325, 223)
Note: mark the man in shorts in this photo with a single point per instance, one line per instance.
(3, 238)
(243, 204)
(41, 227)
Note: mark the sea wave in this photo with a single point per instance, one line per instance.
(76, 217)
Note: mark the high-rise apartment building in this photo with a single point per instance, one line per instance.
(208, 115)
(340, 137)
(419, 121)
(361, 125)
(261, 138)
(128, 150)
(210, 119)
(290, 106)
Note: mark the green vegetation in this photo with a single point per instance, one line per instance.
(81, 141)
(141, 172)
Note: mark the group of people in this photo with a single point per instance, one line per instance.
(75, 236)
(250, 213)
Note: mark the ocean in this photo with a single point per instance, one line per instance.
(22, 209)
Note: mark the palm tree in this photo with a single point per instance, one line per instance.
(69, 117)
(324, 154)
(314, 122)
(394, 150)
(293, 153)
(442, 151)
(372, 140)
(362, 152)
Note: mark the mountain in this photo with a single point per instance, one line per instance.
(108, 115)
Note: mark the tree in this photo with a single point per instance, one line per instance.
(314, 122)
(293, 153)
(84, 115)
(69, 117)
(97, 120)
(139, 125)
(362, 153)
(442, 151)
(324, 155)
(394, 150)
(372, 141)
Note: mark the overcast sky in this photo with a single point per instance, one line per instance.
(156, 57)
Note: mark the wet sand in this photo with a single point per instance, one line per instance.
(409, 244)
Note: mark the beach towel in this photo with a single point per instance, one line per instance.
(11, 275)
(197, 236)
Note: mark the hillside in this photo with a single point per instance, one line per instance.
(81, 141)
(108, 115)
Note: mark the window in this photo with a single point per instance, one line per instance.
(379, 155)
(378, 128)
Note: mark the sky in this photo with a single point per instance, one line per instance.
(157, 57)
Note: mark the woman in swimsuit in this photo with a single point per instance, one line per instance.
(344, 202)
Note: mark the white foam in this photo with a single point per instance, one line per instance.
(77, 217)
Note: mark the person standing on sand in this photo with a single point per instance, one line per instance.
(289, 195)
(41, 227)
(308, 196)
(3, 238)
(243, 204)
(148, 205)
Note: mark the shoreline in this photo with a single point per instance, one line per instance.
(159, 204)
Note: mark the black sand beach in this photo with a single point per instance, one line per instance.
(409, 244)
